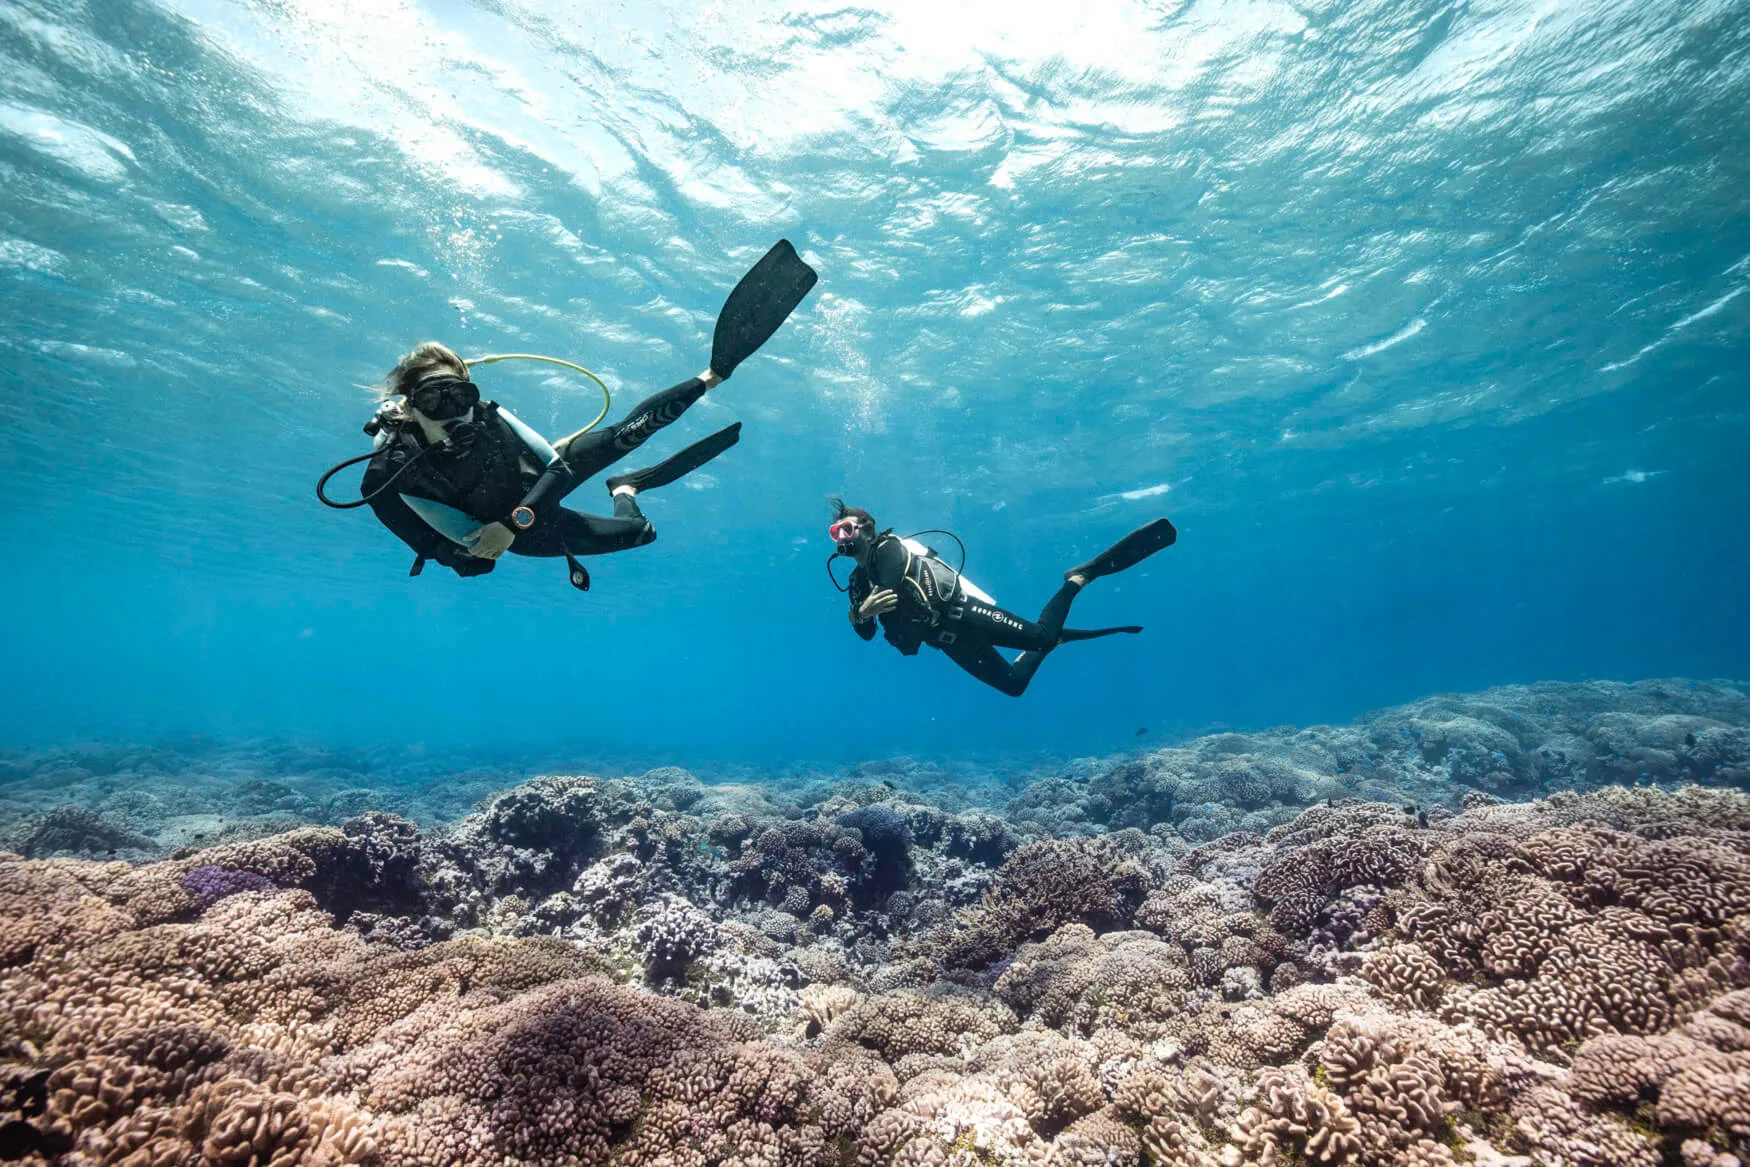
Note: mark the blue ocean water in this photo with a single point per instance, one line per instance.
(1425, 322)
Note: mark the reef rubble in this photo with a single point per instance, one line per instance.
(1245, 950)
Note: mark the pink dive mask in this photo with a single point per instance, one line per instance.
(842, 531)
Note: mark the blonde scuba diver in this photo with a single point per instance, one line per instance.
(920, 600)
(462, 480)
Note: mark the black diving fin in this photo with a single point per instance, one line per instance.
(1071, 635)
(1128, 551)
(761, 302)
(680, 464)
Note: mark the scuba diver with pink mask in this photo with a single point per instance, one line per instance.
(919, 599)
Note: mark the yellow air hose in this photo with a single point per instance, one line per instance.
(607, 400)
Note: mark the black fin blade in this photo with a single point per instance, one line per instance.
(1130, 550)
(760, 303)
(1071, 635)
(680, 464)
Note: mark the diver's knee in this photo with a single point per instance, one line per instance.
(1014, 686)
(646, 534)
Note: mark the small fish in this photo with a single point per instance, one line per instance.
(1142, 731)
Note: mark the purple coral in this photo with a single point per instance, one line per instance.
(673, 933)
(210, 883)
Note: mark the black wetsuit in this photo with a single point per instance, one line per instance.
(497, 472)
(935, 610)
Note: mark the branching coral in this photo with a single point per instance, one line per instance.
(1406, 973)
(1551, 983)
(673, 933)
(1698, 1076)
(1081, 983)
(1302, 882)
(1097, 882)
(910, 1022)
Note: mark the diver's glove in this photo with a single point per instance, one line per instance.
(877, 603)
(490, 541)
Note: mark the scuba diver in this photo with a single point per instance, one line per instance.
(920, 600)
(461, 480)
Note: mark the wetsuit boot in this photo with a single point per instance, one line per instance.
(1128, 551)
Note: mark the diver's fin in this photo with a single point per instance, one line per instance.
(1128, 551)
(1071, 634)
(762, 301)
(680, 464)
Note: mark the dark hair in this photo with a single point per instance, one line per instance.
(841, 511)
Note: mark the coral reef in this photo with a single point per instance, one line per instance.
(1511, 742)
(1216, 955)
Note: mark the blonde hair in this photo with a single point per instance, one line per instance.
(427, 357)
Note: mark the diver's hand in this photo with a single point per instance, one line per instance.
(877, 603)
(490, 541)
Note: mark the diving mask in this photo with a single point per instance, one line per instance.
(843, 531)
(444, 398)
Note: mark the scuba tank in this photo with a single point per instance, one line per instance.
(915, 550)
(928, 576)
(927, 587)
